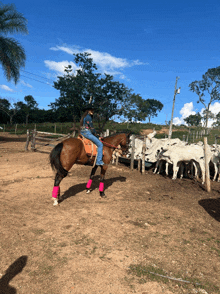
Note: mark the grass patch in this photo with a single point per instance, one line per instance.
(38, 231)
(146, 273)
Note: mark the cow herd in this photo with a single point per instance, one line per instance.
(186, 158)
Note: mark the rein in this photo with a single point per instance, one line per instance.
(109, 145)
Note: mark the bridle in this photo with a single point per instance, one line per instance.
(113, 146)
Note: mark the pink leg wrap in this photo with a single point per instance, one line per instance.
(55, 191)
(89, 184)
(101, 187)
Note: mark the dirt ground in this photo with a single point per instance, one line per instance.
(149, 231)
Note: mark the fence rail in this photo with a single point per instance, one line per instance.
(32, 136)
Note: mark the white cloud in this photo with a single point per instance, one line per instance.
(6, 88)
(59, 67)
(186, 111)
(215, 109)
(177, 121)
(106, 62)
(26, 84)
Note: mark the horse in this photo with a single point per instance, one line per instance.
(72, 151)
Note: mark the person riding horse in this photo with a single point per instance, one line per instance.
(89, 132)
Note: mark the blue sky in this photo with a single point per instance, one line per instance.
(144, 44)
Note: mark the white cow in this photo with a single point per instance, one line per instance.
(116, 153)
(139, 145)
(156, 145)
(176, 154)
(215, 158)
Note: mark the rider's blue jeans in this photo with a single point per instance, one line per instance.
(87, 134)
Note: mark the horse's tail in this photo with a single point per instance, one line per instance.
(55, 160)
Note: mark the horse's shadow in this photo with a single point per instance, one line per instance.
(74, 190)
(212, 206)
(14, 269)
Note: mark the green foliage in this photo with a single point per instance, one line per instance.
(193, 119)
(76, 90)
(12, 54)
(209, 85)
(138, 109)
(217, 122)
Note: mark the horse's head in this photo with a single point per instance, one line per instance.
(125, 143)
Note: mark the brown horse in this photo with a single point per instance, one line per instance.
(72, 151)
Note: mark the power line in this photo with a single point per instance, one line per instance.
(36, 75)
(37, 80)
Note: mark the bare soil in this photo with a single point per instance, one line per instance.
(149, 228)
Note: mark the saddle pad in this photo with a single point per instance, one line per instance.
(90, 147)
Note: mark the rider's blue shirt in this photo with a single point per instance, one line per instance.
(88, 124)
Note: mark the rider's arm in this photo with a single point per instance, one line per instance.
(89, 123)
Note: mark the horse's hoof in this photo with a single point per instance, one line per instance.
(88, 191)
(55, 203)
(102, 194)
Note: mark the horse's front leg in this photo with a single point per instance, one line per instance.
(89, 184)
(101, 184)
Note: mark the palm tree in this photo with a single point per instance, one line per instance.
(12, 54)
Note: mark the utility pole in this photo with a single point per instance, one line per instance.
(176, 91)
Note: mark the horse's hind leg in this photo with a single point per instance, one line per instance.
(89, 184)
(56, 188)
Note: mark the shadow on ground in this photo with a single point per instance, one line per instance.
(212, 206)
(14, 269)
(12, 139)
(72, 191)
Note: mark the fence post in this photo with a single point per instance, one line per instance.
(117, 158)
(55, 128)
(28, 140)
(207, 175)
(132, 151)
(16, 125)
(107, 132)
(33, 140)
(139, 164)
(4, 128)
(143, 155)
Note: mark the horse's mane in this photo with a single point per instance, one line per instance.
(112, 135)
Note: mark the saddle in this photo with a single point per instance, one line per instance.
(90, 147)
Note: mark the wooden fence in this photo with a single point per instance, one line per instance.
(43, 139)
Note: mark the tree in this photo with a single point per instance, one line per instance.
(76, 90)
(193, 119)
(217, 122)
(206, 115)
(12, 54)
(152, 107)
(209, 85)
(7, 108)
(30, 105)
(138, 109)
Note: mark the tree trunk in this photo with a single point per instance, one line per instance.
(206, 121)
(27, 119)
